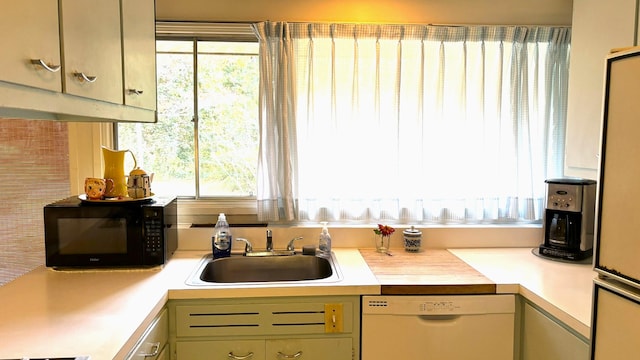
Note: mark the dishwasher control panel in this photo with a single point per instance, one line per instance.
(438, 305)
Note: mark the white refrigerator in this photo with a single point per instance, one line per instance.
(615, 327)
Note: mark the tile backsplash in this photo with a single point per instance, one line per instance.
(34, 171)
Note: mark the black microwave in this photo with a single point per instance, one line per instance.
(104, 234)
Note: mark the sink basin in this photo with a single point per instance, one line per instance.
(264, 269)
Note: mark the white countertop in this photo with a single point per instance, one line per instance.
(101, 313)
(48, 313)
(564, 290)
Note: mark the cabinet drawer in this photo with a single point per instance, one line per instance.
(301, 349)
(220, 350)
(310, 349)
(150, 346)
(262, 319)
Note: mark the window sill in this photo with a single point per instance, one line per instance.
(488, 236)
(239, 211)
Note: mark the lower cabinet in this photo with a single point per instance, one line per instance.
(153, 343)
(304, 328)
(544, 337)
(292, 348)
(221, 349)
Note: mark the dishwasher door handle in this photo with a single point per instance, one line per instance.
(449, 318)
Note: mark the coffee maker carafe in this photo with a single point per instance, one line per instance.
(569, 219)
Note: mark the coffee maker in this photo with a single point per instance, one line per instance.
(569, 219)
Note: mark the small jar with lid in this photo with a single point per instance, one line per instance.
(412, 239)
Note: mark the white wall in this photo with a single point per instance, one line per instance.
(549, 12)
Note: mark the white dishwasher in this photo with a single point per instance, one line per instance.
(438, 327)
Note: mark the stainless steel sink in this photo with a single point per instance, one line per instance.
(264, 269)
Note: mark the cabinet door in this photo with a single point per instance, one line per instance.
(310, 349)
(597, 27)
(139, 51)
(93, 48)
(220, 350)
(544, 338)
(152, 343)
(29, 31)
(164, 354)
(616, 324)
(618, 246)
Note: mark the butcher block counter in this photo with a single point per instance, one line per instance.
(431, 272)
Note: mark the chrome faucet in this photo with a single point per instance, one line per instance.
(290, 245)
(247, 245)
(248, 248)
(269, 240)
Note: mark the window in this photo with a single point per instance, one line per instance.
(365, 123)
(205, 143)
(410, 124)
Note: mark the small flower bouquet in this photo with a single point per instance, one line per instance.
(383, 237)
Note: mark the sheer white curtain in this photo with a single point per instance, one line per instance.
(410, 123)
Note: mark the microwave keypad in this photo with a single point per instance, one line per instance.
(153, 234)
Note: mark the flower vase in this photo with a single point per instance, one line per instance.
(382, 243)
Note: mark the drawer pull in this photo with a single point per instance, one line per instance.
(231, 355)
(154, 350)
(285, 356)
(50, 68)
(83, 77)
(135, 91)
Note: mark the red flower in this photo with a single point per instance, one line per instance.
(384, 230)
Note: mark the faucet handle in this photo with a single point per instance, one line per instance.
(247, 245)
(290, 245)
(269, 240)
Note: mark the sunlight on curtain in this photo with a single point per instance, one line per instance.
(410, 124)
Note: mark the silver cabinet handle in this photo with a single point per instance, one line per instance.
(48, 67)
(83, 77)
(285, 356)
(135, 91)
(231, 355)
(154, 350)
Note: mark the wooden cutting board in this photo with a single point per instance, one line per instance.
(428, 272)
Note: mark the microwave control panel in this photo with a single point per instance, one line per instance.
(153, 232)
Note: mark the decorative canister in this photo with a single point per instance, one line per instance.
(412, 239)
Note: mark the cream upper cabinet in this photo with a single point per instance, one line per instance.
(139, 51)
(29, 39)
(92, 49)
(598, 26)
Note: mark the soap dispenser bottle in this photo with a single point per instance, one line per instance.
(324, 245)
(221, 240)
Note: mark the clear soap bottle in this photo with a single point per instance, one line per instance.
(221, 240)
(324, 244)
